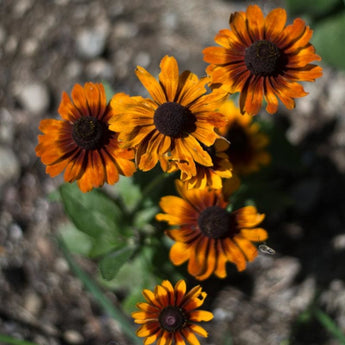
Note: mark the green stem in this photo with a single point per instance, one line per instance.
(4, 339)
(147, 190)
(103, 301)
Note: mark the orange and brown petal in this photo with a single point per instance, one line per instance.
(256, 53)
(81, 144)
(170, 315)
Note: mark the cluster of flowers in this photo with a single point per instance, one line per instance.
(199, 133)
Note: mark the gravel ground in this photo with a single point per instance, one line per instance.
(46, 46)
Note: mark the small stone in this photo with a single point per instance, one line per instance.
(338, 242)
(73, 337)
(32, 303)
(15, 232)
(6, 127)
(125, 30)
(100, 69)
(91, 42)
(9, 165)
(33, 97)
(142, 59)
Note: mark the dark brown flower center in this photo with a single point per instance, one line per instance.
(263, 58)
(174, 120)
(90, 133)
(172, 318)
(215, 222)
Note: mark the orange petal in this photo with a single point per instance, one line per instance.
(179, 253)
(200, 315)
(180, 291)
(190, 336)
(151, 85)
(220, 270)
(247, 247)
(234, 254)
(67, 110)
(169, 77)
(96, 99)
(199, 330)
(253, 96)
(150, 298)
(148, 329)
(207, 259)
(247, 217)
(152, 338)
(274, 23)
(239, 27)
(179, 339)
(271, 99)
(79, 100)
(162, 295)
(255, 235)
(255, 22)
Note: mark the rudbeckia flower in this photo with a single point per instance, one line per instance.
(175, 123)
(247, 149)
(82, 143)
(170, 314)
(263, 59)
(206, 234)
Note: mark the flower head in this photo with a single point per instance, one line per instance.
(262, 58)
(206, 234)
(175, 123)
(82, 143)
(247, 149)
(170, 315)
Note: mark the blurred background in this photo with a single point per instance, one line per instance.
(296, 297)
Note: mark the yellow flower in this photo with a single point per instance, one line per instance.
(82, 143)
(174, 124)
(262, 58)
(206, 234)
(247, 150)
(170, 314)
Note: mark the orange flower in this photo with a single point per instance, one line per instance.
(170, 314)
(179, 118)
(81, 143)
(262, 58)
(212, 176)
(207, 235)
(247, 144)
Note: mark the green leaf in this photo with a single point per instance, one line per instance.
(129, 191)
(76, 241)
(330, 325)
(329, 40)
(111, 264)
(92, 213)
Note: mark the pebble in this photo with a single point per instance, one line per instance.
(33, 97)
(125, 30)
(100, 69)
(73, 337)
(7, 127)
(91, 42)
(142, 59)
(9, 165)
